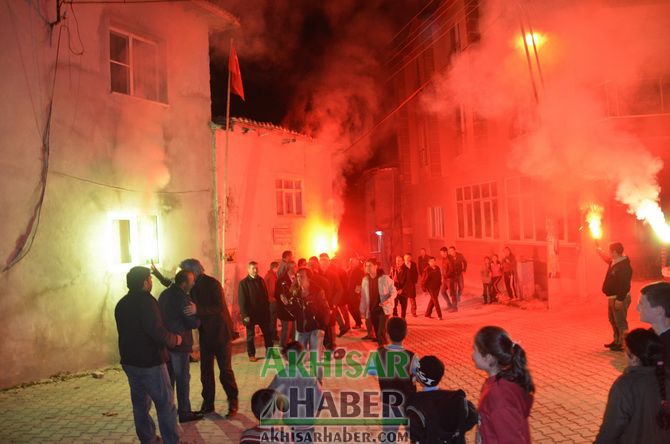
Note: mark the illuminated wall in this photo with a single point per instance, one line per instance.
(129, 177)
(280, 197)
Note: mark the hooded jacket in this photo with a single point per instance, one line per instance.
(617, 279)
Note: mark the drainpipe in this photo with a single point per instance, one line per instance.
(218, 237)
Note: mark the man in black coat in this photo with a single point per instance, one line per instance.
(216, 335)
(252, 297)
(616, 287)
(431, 281)
(143, 339)
(410, 278)
(178, 311)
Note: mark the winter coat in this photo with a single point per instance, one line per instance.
(504, 407)
(216, 325)
(387, 292)
(632, 405)
(283, 288)
(432, 279)
(252, 296)
(143, 337)
(310, 312)
(172, 302)
(440, 416)
(408, 277)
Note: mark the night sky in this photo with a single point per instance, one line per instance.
(299, 39)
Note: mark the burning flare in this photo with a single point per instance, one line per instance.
(594, 217)
(319, 237)
(650, 212)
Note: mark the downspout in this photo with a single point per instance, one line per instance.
(215, 205)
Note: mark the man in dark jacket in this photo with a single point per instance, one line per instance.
(252, 296)
(458, 266)
(616, 287)
(178, 313)
(216, 335)
(445, 268)
(431, 282)
(142, 345)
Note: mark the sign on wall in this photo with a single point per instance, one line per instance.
(282, 236)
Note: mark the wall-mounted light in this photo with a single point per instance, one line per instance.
(379, 232)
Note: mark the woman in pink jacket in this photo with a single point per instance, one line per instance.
(507, 394)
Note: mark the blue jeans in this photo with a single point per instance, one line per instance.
(152, 384)
(181, 377)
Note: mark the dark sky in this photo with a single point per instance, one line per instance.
(298, 39)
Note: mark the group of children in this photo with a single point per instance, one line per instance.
(434, 415)
(494, 271)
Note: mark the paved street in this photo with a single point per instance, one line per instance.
(572, 372)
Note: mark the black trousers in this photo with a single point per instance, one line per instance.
(378, 319)
(434, 302)
(268, 336)
(353, 305)
(402, 300)
(223, 355)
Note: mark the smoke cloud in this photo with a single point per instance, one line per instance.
(590, 53)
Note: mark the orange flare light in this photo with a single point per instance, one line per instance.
(594, 217)
(319, 237)
(650, 212)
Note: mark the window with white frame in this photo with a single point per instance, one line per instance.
(477, 211)
(289, 197)
(527, 216)
(436, 220)
(135, 68)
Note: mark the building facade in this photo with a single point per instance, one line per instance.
(459, 186)
(280, 197)
(106, 109)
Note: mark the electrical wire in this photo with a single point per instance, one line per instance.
(411, 95)
(116, 187)
(25, 241)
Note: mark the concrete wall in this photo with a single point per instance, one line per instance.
(259, 155)
(56, 309)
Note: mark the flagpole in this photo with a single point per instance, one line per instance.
(225, 175)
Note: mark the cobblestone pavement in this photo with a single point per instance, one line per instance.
(572, 371)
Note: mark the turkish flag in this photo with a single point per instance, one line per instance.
(235, 74)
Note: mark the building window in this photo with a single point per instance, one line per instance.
(133, 239)
(477, 211)
(289, 197)
(527, 217)
(647, 96)
(460, 127)
(436, 218)
(135, 68)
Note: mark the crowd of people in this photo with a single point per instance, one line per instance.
(305, 305)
